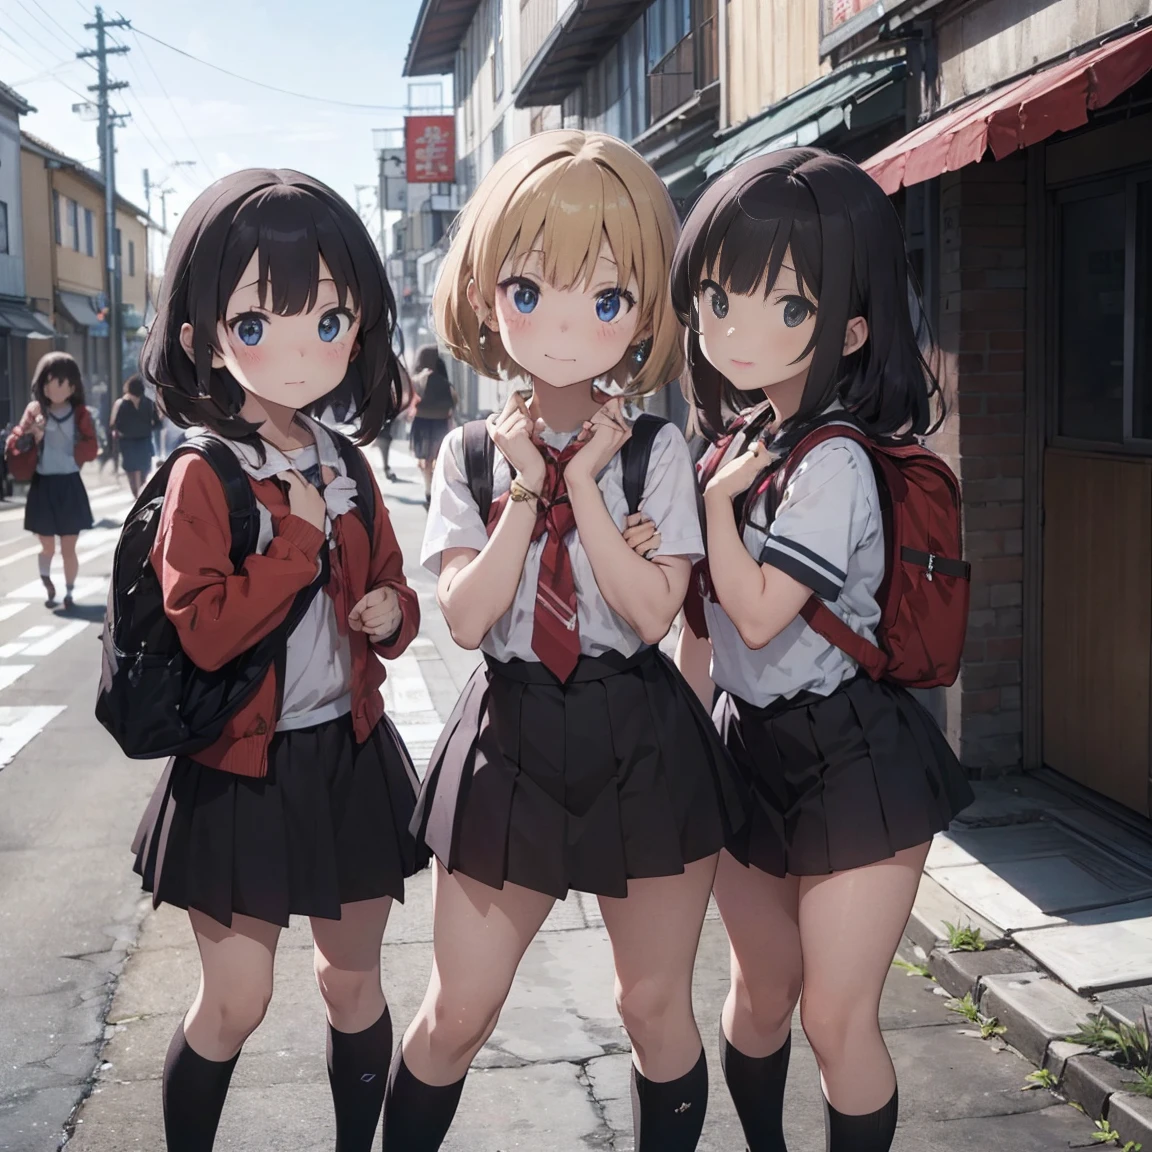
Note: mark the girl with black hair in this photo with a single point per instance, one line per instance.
(53, 439)
(791, 275)
(274, 300)
(134, 419)
(433, 405)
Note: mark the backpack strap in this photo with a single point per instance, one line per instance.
(357, 468)
(479, 460)
(634, 457)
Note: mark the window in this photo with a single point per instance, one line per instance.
(131, 257)
(89, 245)
(56, 215)
(74, 224)
(497, 49)
(498, 140)
(117, 244)
(1104, 286)
(666, 23)
(3, 227)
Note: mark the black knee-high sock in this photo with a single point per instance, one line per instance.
(872, 1132)
(358, 1073)
(193, 1092)
(669, 1116)
(417, 1116)
(756, 1084)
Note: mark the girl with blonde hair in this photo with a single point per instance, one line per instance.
(577, 757)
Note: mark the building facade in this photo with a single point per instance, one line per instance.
(63, 207)
(23, 334)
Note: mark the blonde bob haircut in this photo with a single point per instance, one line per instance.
(570, 190)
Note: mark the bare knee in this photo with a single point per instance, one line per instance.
(68, 545)
(346, 993)
(234, 1013)
(457, 1026)
(765, 1003)
(651, 1009)
(47, 546)
(831, 1025)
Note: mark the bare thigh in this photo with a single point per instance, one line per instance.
(347, 963)
(760, 913)
(655, 933)
(236, 972)
(479, 936)
(866, 909)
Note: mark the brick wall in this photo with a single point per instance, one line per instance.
(982, 321)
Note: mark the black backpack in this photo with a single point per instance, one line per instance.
(152, 699)
(480, 456)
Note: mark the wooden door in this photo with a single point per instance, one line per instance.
(1098, 622)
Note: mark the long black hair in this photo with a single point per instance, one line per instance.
(847, 247)
(292, 221)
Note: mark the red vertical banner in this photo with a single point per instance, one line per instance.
(430, 143)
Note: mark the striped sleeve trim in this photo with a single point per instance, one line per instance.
(804, 565)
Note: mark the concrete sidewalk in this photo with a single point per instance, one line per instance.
(554, 1076)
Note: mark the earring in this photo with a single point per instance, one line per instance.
(640, 355)
(483, 336)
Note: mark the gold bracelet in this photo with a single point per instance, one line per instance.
(519, 493)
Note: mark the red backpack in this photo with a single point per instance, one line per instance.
(924, 595)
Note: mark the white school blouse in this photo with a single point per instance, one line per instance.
(669, 500)
(828, 534)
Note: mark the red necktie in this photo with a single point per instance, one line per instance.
(556, 628)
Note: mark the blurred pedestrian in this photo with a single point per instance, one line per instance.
(134, 417)
(54, 438)
(435, 403)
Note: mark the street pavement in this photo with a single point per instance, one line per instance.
(93, 982)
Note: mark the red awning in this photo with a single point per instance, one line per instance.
(1017, 115)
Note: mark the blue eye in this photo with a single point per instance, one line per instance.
(796, 311)
(608, 305)
(332, 326)
(525, 298)
(719, 304)
(250, 330)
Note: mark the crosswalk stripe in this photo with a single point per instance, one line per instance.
(85, 586)
(7, 611)
(10, 673)
(58, 637)
(18, 726)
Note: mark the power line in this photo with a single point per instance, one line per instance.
(35, 39)
(175, 111)
(33, 63)
(270, 87)
(75, 40)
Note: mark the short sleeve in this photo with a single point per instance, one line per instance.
(822, 518)
(670, 496)
(453, 518)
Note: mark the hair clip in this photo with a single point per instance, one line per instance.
(640, 355)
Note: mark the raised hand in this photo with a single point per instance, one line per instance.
(378, 614)
(602, 437)
(303, 499)
(513, 433)
(739, 474)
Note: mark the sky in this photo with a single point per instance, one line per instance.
(184, 110)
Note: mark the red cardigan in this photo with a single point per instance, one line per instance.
(219, 614)
(22, 462)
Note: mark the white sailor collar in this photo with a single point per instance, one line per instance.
(276, 461)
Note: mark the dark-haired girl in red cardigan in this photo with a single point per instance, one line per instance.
(53, 439)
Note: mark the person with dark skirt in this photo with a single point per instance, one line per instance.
(576, 757)
(791, 274)
(133, 422)
(53, 439)
(433, 403)
(302, 806)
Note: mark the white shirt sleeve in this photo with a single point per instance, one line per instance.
(453, 518)
(822, 517)
(670, 496)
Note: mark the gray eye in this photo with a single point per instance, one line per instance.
(796, 311)
(719, 303)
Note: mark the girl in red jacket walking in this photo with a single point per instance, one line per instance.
(54, 438)
(274, 300)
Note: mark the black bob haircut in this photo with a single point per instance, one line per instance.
(847, 247)
(292, 221)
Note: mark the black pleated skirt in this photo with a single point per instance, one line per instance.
(57, 505)
(427, 434)
(617, 775)
(328, 825)
(840, 781)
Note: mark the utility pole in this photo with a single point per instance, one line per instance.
(108, 121)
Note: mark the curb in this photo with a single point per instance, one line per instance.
(1036, 1009)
